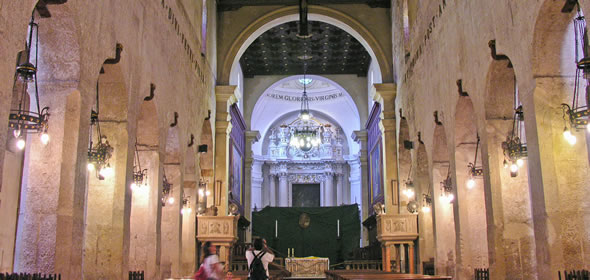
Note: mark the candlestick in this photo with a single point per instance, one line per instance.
(338, 232)
(276, 228)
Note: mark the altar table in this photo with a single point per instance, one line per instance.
(307, 267)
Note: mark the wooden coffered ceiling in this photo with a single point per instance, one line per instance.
(231, 5)
(279, 51)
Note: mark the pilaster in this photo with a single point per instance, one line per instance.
(360, 136)
(225, 96)
(251, 138)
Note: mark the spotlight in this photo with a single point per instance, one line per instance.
(44, 138)
(20, 143)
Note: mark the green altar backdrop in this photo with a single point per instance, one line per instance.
(319, 239)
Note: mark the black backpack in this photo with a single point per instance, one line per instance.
(257, 271)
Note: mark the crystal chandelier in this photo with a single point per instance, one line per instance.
(21, 120)
(99, 154)
(579, 115)
(305, 130)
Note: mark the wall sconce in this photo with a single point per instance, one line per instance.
(167, 197)
(186, 205)
(514, 150)
(579, 115)
(426, 203)
(21, 120)
(202, 197)
(474, 171)
(446, 187)
(99, 154)
(139, 174)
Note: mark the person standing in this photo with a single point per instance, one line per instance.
(258, 259)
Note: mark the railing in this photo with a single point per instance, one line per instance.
(360, 265)
(28, 276)
(482, 274)
(574, 275)
(136, 275)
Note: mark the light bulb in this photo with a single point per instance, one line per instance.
(16, 133)
(207, 193)
(426, 209)
(513, 168)
(106, 171)
(409, 193)
(470, 183)
(588, 128)
(189, 210)
(133, 186)
(305, 116)
(572, 140)
(44, 138)
(90, 167)
(20, 143)
(567, 133)
(519, 162)
(443, 198)
(505, 164)
(182, 211)
(450, 197)
(201, 192)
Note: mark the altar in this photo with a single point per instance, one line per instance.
(312, 267)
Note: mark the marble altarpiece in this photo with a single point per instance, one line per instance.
(328, 166)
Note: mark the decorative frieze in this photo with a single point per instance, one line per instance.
(217, 228)
(306, 178)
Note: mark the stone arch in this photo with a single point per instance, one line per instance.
(444, 216)
(509, 196)
(291, 13)
(564, 170)
(423, 185)
(470, 202)
(56, 51)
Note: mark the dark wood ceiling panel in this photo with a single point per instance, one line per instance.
(278, 51)
(230, 5)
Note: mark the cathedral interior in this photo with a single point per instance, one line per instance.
(448, 138)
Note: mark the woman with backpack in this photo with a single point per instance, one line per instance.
(258, 259)
(210, 268)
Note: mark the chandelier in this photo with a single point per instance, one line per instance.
(139, 174)
(474, 171)
(167, 197)
(426, 203)
(186, 205)
(21, 120)
(99, 154)
(446, 187)
(515, 151)
(409, 190)
(203, 195)
(579, 115)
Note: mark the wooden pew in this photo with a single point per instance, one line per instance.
(375, 274)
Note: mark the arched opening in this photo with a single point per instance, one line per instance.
(106, 236)
(443, 200)
(565, 162)
(230, 66)
(513, 230)
(146, 190)
(424, 195)
(470, 190)
(171, 206)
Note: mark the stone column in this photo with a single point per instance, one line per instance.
(273, 190)
(329, 189)
(225, 96)
(339, 189)
(257, 189)
(411, 257)
(360, 136)
(251, 138)
(283, 190)
(385, 94)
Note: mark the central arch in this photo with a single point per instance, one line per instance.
(316, 13)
